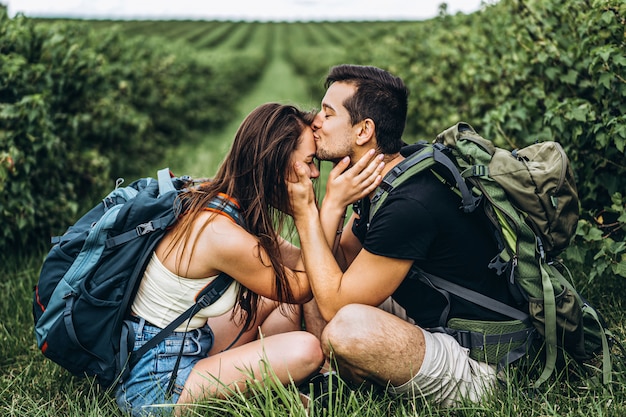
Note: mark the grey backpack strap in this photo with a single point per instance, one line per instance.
(418, 162)
(473, 339)
(470, 201)
(474, 297)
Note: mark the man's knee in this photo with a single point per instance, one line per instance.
(346, 330)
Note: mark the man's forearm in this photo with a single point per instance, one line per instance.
(332, 220)
(322, 269)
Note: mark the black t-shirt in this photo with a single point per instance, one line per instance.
(421, 220)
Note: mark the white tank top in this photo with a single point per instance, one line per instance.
(162, 296)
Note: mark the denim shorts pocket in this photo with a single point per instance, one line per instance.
(196, 346)
(192, 345)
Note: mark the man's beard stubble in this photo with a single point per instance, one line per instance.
(323, 155)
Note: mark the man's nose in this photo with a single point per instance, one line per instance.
(317, 121)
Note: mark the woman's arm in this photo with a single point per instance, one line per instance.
(220, 245)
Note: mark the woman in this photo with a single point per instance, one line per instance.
(267, 272)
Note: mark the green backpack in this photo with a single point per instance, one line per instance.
(530, 197)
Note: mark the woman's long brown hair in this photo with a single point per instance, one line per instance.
(254, 173)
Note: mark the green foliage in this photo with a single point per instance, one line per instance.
(82, 104)
(36, 161)
(70, 99)
(521, 71)
(79, 108)
(601, 241)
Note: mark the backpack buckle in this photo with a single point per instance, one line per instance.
(464, 338)
(477, 171)
(145, 228)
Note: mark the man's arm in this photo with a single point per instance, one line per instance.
(341, 191)
(350, 245)
(344, 187)
(370, 279)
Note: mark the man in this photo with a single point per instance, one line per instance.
(420, 225)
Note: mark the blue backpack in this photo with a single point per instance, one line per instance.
(90, 277)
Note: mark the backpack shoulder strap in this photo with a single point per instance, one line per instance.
(228, 206)
(474, 297)
(477, 339)
(222, 204)
(424, 158)
(207, 296)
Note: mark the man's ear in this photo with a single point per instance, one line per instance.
(365, 131)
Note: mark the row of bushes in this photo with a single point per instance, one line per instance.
(79, 108)
(520, 71)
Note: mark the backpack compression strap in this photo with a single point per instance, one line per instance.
(165, 186)
(471, 339)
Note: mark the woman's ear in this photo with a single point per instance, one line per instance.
(365, 131)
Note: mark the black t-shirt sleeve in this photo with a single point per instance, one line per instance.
(404, 230)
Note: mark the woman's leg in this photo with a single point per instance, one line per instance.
(270, 318)
(292, 356)
(282, 319)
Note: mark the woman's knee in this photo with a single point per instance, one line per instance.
(283, 319)
(305, 350)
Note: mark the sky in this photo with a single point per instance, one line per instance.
(268, 10)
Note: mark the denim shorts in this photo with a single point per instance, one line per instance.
(144, 389)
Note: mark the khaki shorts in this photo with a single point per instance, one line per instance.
(448, 375)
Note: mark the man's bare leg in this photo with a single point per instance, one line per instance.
(371, 345)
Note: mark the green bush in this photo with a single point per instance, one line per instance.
(521, 71)
(80, 108)
(41, 173)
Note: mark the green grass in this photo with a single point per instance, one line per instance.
(32, 386)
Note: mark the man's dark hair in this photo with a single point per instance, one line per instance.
(379, 96)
